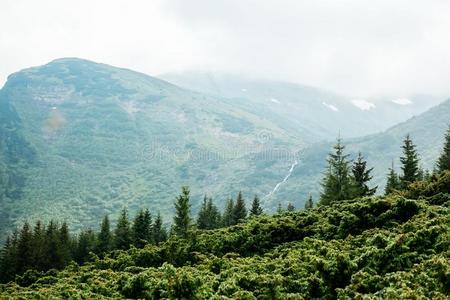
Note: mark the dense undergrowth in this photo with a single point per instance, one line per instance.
(380, 247)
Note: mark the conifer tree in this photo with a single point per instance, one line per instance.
(141, 228)
(336, 184)
(24, 249)
(39, 246)
(52, 254)
(279, 208)
(64, 245)
(392, 182)
(208, 216)
(227, 218)
(410, 163)
(309, 203)
(84, 245)
(122, 233)
(182, 218)
(361, 176)
(202, 219)
(443, 163)
(256, 209)
(239, 211)
(290, 207)
(159, 233)
(104, 239)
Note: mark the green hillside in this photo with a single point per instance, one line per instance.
(81, 139)
(380, 150)
(394, 247)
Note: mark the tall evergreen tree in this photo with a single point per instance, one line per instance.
(309, 203)
(122, 233)
(141, 228)
(239, 211)
(182, 218)
(361, 176)
(227, 218)
(393, 182)
(104, 239)
(209, 215)
(159, 232)
(410, 163)
(336, 184)
(25, 249)
(64, 245)
(85, 244)
(443, 163)
(256, 209)
(39, 246)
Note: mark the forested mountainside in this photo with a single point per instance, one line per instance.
(394, 247)
(81, 139)
(381, 151)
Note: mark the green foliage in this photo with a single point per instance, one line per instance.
(309, 203)
(373, 247)
(256, 208)
(443, 162)
(393, 182)
(182, 218)
(105, 239)
(361, 176)
(122, 234)
(410, 163)
(239, 210)
(336, 183)
(209, 215)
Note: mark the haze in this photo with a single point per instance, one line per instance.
(357, 48)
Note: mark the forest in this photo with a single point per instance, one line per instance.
(353, 242)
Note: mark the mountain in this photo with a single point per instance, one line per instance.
(81, 139)
(297, 107)
(427, 131)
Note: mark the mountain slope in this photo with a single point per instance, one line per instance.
(81, 139)
(298, 107)
(427, 132)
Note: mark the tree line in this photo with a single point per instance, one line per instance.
(51, 246)
(345, 179)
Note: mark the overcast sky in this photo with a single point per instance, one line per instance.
(354, 47)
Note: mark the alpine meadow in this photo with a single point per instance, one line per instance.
(280, 150)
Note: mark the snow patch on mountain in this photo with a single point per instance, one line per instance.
(402, 101)
(363, 104)
(275, 100)
(330, 106)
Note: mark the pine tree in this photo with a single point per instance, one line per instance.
(122, 233)
(159, 232)
(39, 246)
(142, 228)
(361, 176)
(85, 245)
(227, 218)
(309, 203)
(208, 216)
(290, 207)
(52, 259)
(25, 249)
(239, 211)
(410, 163)
(392, 182)
(337, 181)
(64, 245)
(182, 218)
(443, 163)
(104, 239)
(256, 209)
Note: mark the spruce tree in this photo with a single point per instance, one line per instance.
(104, 239)
(410, 163)
(64, 245)
(336, 184)
(227, 218)
(159, 232)
(309, 203)
(25, 249)
(256, 209)
(182, 218)
(141, 228)
(84, 245)
(39, 246)
(202, 219)
(239, 211)
(361, 176)
(208, 216)
(443, 163)
(122, 233)
(392, 182)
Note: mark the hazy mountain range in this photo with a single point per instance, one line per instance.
(80, 139)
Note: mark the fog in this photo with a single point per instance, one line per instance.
(353, 47)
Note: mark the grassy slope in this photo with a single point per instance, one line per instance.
(374, 247)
